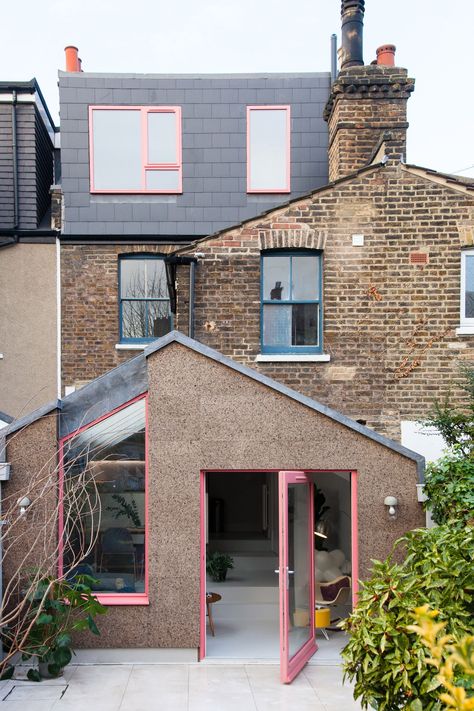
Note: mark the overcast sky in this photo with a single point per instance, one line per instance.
(433, 39)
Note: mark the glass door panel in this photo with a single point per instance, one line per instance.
(297, 635)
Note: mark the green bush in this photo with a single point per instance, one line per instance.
(449, 486)
(386, 660)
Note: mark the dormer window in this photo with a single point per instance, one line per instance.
(135, 149)
(268, 149)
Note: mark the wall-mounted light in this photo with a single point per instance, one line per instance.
(23, 503)
(322, 529)
(391, 502)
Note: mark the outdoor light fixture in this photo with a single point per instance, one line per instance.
(392, 503)
(321, 529)
(23, 503)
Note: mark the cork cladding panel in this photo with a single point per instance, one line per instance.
(33, 455)
(203, 415)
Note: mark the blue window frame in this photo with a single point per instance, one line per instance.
(291, 303)
(144, 298)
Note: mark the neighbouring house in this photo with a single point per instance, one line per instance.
(28, 251)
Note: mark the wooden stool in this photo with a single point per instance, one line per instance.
(322, 619)
(211, 598)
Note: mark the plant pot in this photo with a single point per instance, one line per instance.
(45, 674)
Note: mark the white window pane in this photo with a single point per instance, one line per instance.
(268, 150)
(157, 287)
(305, 278)
(277, 325)
(162, 180)
(117, 158)
(162, 138)
(132, 279)
(469, 293)
(276, 278)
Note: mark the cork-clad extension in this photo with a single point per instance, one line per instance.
(202, 415)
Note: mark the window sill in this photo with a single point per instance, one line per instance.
(465, 331)
(122, 598)
(289, 358)
(131, 346)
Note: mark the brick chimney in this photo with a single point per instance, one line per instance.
(367, 104)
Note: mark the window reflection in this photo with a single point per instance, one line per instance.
(111, 453)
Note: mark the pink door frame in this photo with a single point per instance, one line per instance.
(354, 534)
(290, 667)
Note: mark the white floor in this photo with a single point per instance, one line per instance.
(259, 641)
(181, 687)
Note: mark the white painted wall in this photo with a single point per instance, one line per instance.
(424, 440)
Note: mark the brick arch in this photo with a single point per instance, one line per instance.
(294, 237)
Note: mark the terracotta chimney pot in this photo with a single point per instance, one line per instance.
(386, 55)
(72, 59)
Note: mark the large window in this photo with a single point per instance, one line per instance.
(291, 302)
(135, 149)
(268, 149)
(467, 289)
(144, 298)
(104, 466)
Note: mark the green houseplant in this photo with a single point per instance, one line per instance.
(58, 608)
(217, 565)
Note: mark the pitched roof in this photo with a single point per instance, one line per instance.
(459, 182)
(95, 395)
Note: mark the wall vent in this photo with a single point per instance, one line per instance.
(419, 258)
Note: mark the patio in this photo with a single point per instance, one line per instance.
(181, 687)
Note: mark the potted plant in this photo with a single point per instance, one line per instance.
(58, 608)
(217, 565)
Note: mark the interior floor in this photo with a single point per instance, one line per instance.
(243, 522)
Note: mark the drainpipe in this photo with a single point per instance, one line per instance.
(192, 282)
(16, 212)
(333, 58)
(58, 318)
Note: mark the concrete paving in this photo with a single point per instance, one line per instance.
(181, 687)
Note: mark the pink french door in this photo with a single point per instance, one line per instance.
(296, 573)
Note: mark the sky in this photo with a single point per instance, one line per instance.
(433, 39)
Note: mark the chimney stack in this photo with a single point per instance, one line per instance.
(352, 16)
(72, 59)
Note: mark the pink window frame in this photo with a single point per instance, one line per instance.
(108, 598)
(353, 478)
(287, 187)
(146, 166)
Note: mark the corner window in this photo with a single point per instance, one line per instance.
(291, 302)
(268, 149)
(105, 463)
(467, 288)
(135, 149)
(144, 298)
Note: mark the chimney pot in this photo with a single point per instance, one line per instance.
(386, 55)
(72, 59)
(352, 16)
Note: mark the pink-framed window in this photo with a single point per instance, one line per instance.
(135, 149)
(268, 149)
(106, 462)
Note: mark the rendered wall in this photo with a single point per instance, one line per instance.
(27, 327)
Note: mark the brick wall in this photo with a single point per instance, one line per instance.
(389, 324)
(90, 309)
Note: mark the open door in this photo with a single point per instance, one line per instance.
(296, 571)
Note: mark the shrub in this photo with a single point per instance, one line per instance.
(384, 657)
